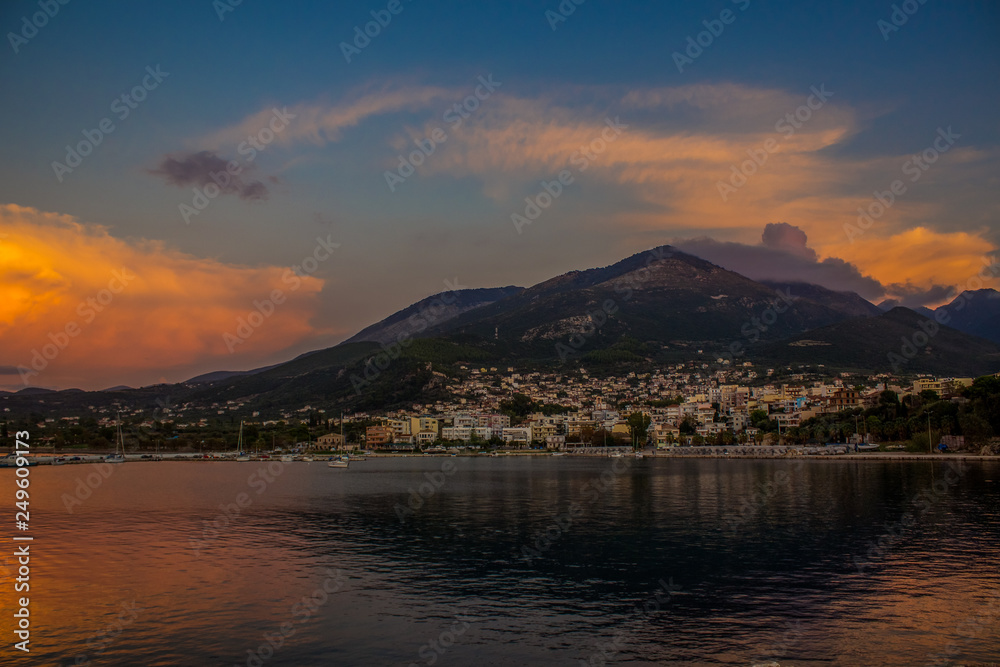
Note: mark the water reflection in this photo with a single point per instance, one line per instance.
(761, 552)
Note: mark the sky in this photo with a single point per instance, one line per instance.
(197, 185)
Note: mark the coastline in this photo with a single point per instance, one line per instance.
(91, 458)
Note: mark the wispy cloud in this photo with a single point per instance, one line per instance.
(663, 175)
(318, 123)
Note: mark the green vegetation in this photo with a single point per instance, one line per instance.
(519, 406)
(977, 417)
(219, 435)
(638, 425)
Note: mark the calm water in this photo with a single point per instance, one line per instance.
(753, 560)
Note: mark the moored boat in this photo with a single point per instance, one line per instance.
(116, 457)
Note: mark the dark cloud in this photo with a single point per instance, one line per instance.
(784, 256)
(910, 296)
(783, 236)
(197, 169)
(8, 370)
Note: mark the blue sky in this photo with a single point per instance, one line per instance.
(324, 177)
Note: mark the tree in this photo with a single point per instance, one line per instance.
(517, 406)
(638, 425)
(888, 397)
(976, 429)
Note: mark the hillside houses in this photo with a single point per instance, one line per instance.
(681, 403)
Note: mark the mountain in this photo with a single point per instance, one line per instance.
(894, 342)
(846, 303)
(359, 375)
(661, 297)
(657, 307)
(889, 304)
(976, 313)
(34, 391)
(216, 376)
(653, 306)
(432, 311)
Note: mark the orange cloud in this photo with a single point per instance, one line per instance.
(923, 258)
(674, 171)
(79, 306)
(675, 175)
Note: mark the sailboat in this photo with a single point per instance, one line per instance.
(240, 455)
(120, 440)
(340, 462)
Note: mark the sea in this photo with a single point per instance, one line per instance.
(511, 560)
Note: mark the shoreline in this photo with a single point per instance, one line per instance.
(92, 458)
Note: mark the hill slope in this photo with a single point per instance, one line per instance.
(895, 342)
(661, 296)
(432, 311)
(976, 313)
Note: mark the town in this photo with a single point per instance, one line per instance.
(489, 408)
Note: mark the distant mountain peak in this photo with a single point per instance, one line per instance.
(975, 312)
